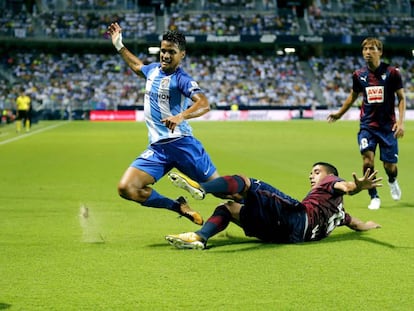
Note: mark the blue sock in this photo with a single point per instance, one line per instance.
(216, 223)
(224, 185)
(373, 193)
(157, 200)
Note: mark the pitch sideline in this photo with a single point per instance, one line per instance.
(31, 133)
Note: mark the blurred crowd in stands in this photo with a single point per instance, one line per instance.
(92, 81)
(89, 18)
(68, 82)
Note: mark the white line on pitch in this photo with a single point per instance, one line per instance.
(31, 133)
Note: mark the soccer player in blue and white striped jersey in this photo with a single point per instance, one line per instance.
(171, 98)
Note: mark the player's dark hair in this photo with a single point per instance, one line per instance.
(329, 168)
(371, 40)
(175, 37)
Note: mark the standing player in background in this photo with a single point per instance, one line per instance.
(171, 98)
(265, 212)
(379, 83)
(23, 111)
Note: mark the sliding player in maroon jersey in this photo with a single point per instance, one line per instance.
(265, 212)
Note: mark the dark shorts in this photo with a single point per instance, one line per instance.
(185, 154)
(22, 115)
(272, 216)
(369, 139)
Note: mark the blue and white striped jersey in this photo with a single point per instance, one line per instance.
(166, 95)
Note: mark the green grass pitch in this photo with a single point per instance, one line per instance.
(117, 259)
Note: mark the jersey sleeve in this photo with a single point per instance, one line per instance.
(398, 83)
(346, 221)
(356, 85)
(330, 182)
(146, 68)
(187, 85)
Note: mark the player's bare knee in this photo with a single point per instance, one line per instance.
(127, 191)
(368, 158)
(123, 190)
(367, 164)
(233, 208)
(247, 184)
(391, 169)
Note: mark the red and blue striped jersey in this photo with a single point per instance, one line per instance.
(378, 90)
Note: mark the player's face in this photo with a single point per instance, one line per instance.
(371, 54)
(316, 175)
(170, 56)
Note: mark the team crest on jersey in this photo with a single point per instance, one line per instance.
(375, 94)
(165, 83)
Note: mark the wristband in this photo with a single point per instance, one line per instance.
(118, 43)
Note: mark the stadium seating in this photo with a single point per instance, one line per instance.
(89, 19)
(83, 81)
(93, 81)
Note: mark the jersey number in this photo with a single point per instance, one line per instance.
(336, 219)
(363, 144)
(146, 154)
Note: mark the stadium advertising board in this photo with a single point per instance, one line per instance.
(214, 115)
(112, 115)
(237, 115)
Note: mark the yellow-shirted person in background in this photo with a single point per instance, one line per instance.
(23, 109)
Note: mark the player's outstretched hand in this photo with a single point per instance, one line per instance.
(368, 181)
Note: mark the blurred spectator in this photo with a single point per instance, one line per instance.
(67, 19)
(69, 82)
(90, 81)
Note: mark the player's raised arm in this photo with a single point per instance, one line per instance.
(132, 61)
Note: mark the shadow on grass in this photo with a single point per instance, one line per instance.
(4, 306)
(359, 236)
(256, 244)
(247, 244)
(243, 244)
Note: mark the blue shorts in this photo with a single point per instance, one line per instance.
(186, 154)
(368, 139)
(271, 215)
